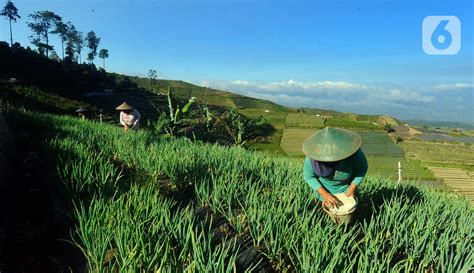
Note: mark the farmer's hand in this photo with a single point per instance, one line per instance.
(125, 128)
(330, 200)
(351, 191)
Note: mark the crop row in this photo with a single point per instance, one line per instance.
(126, 220)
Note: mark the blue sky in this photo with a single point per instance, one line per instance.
(363, 57)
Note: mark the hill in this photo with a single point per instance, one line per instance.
(440, 124)
(185, 90)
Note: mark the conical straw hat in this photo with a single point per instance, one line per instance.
(331, 144)
(81, 109)
(124, 106)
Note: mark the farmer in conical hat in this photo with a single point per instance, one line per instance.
(334, 164)
(81, 112)
(129, 116)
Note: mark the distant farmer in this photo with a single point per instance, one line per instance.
(81, 112)
(334, 164)
(129, 116)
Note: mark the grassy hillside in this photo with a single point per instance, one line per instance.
(139, 200)
(212, 96)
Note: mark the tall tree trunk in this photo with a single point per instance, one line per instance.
(11, 36)
(103, 65)
(62, 47)
(47, 44)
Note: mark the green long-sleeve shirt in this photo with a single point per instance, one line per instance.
(350, 170)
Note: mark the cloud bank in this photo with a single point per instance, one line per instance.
(443, 102)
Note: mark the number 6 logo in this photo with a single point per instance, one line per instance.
(441, 35)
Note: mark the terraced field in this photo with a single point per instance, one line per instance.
(316, 121)
(276, 118)
(304, 120)
(451, 155)
(456, 179)
(382, 154)
(347, 123)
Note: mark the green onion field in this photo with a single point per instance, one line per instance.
(136, 198)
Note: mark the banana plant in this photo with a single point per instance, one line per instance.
(177, 115)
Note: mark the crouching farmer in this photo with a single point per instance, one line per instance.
(334, 164)
(129, 117)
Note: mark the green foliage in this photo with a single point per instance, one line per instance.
(92, 43)
(177, 115)
(41, 24)
(66, 78)
(103, 54)
(159, 126)
(33, 97)
(240, 128)
(207, 114)
(76, 40)
(62, 30)
(11, 13)
(152, 75)
(397, 229)
(72, 41)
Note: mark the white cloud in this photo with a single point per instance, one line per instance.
(324, 90)
(292, 85)
(452, 87)
(398, 95)
(373, 98)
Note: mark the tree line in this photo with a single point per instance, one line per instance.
(44, 23)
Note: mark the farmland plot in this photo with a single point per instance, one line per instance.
(128, 221)
(304, 120)
(452, 155)
(346, 123)
(458, 180)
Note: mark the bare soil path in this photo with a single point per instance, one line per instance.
(456, 179)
